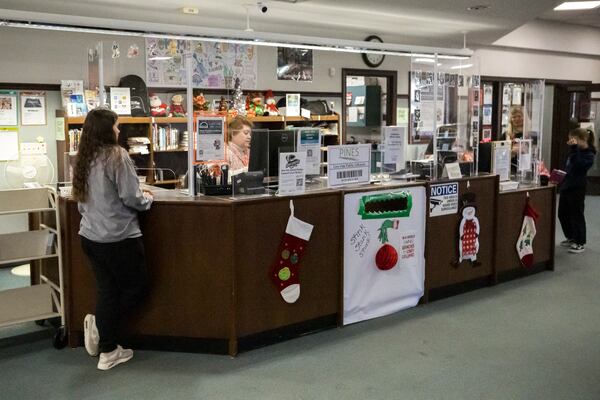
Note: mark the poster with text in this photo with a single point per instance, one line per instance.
(210, 139)
(33, 108)
(9, 144)
(214, 65)
(384, 252)
(8, 108)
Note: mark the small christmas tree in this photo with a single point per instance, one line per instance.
(239, 102)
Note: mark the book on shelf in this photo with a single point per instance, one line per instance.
(74, 138)
(166, 138)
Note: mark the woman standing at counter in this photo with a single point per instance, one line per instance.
(572, 189)
(109, 197)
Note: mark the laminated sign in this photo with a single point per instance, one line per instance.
(443, 199)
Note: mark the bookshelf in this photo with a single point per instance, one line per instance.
(168, 156)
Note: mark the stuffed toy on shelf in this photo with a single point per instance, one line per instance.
(200, 103)
(177, 109)
(157, 107)
(270, 103)
(256, 105)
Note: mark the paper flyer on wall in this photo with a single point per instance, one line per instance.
(292, 171)
(69, 88)
(209, 139)
(33, 108)
(348, 164)
(9, 144)
(8, 108)
(309, 141)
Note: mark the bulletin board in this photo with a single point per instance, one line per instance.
(215, 65)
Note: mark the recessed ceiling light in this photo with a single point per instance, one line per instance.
(159, 58)
(478, 7)
(577, 5)
(462, 66)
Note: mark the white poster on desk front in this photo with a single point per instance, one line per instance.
(309, 141)
(292, 173)
(384, 252)
(348, 164)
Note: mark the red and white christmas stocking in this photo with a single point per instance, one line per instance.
(528, 231)
(285, 270)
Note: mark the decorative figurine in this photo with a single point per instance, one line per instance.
(157, 107)
(200, 103)
(177, 109)
(270, 104)
(239, 104)
(256, 105)
(222, 104)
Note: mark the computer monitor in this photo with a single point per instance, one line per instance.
(265, 146)
(443, 144)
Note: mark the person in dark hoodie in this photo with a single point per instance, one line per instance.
(572, 189)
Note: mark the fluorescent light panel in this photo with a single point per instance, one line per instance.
(258, 42)
(577, 5)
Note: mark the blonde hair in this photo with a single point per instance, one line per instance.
(237, 124)
(510, 132)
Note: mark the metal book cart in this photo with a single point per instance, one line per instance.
(43, 301)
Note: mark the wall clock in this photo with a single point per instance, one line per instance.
(373, 60)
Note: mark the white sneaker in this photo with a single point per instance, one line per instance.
(576, 248)
(566, 243)
(114, 358)
(90, 335)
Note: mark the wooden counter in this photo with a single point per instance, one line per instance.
(443, 277)
(510, 219)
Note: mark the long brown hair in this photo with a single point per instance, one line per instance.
(584, 134)
(97, 136)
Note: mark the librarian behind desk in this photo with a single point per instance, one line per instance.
(208, 261)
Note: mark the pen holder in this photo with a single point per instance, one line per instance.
(215, 190)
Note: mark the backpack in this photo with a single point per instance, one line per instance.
(139, 95)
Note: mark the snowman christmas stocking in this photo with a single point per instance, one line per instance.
(528, 231)
(285, 270)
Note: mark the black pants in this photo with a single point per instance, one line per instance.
(571, 214)
(121, 281)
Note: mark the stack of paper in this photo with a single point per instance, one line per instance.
(138, 145)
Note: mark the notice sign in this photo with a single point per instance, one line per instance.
(309, 140)
(292, 167)
(348, 164)
(209, 139)
(443, 199)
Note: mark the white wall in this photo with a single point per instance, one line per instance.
(524, 64)
(554, 36)
(33, 56)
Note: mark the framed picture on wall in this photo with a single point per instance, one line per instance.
(33, 108)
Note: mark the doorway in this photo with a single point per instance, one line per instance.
(369, 102)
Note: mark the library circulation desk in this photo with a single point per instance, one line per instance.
(209, 261)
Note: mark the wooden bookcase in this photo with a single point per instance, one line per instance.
(144, 126)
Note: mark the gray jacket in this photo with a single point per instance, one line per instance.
(114, 199)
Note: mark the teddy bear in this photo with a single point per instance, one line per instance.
(177, 109)
(157, 107)
(270, 103)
